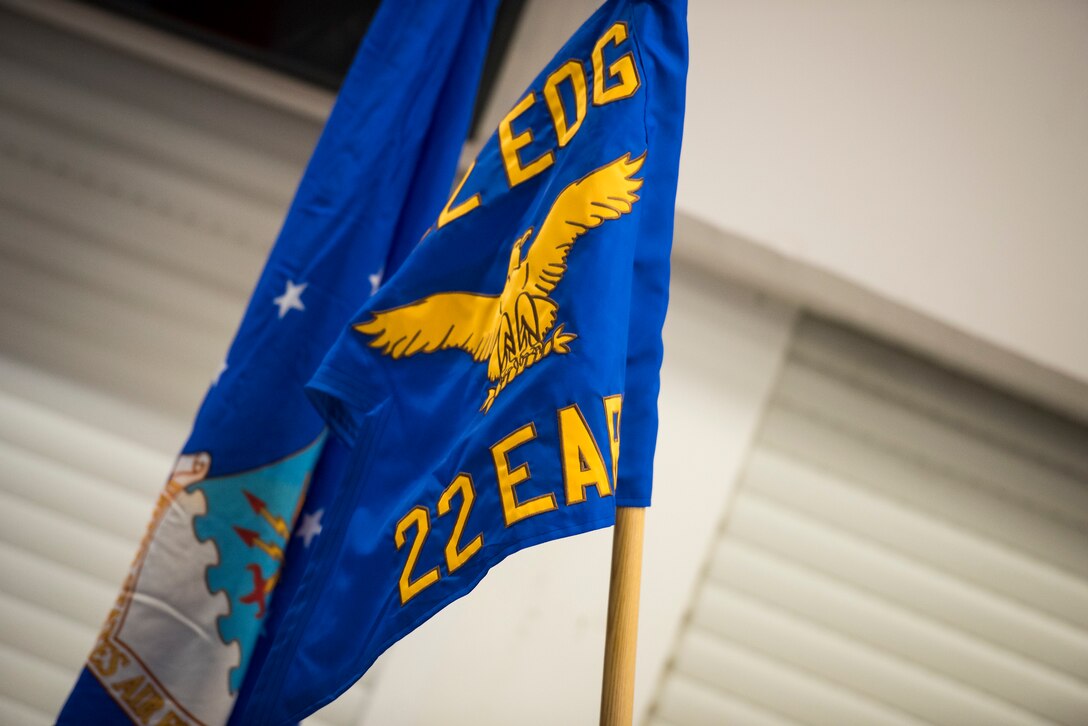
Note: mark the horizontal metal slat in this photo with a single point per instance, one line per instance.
(164, 387)
(689, 702)
(124, 277)
(658, 721)
(98, 503)
(82, 446)
(46, 635)
(146, 428)
(912, 382)
(892, 681)
(162, 89)
(928, 440)
(83, 312)
(1056, 538)
(866, 619)
(63, 540)
(14, 712)
(33, 682)
(127, 223)
(869, 566)
(107, 121)
(159, 91)
(853, 509)
(802, 696)
(116, 171)
(70, 593)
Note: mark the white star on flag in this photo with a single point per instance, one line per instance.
(291, 299)
(218, 374)
(309, 527)
(376, 280)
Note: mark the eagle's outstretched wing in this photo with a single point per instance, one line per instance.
(607, 193)
(447, 320)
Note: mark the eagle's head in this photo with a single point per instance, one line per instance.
(515, 254)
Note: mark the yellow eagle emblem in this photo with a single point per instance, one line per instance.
(510, 330)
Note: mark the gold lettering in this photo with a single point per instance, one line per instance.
(140, 696)
(583, 465)
(128, 687)
(571, 70)
(622, 68)
(421, 518)
(447, 215)
(146, 703)
(513, 510)
(613, 410)
(105, 658)
(462, 484)
(509, 145)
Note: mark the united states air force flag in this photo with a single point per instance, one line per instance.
(176, 647)
(481, 391)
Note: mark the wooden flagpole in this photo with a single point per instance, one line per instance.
(621, 635)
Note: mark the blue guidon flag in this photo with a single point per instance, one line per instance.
(243, 510)
(479, 394)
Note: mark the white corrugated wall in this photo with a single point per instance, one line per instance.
(905, 546)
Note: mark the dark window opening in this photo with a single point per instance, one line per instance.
(312, 41)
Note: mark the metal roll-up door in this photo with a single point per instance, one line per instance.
(905, 546)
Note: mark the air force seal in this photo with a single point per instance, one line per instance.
(178, 639)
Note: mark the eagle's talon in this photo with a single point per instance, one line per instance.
(560, 341)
